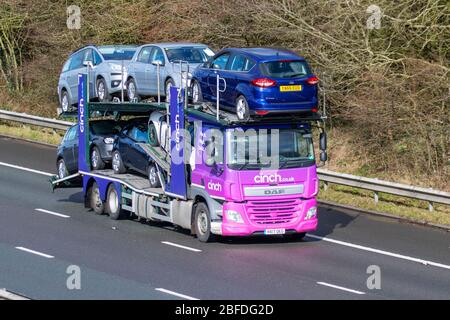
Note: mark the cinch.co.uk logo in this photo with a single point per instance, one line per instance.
(271, 178)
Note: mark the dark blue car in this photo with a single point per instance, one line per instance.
(259, 81)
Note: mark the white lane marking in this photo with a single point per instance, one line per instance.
(52, 213)
(386, 253)
(26, 169)
(180, 246)
(340, 288)
(35, 252)
(179, 295)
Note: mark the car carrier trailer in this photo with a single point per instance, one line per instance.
(209, 198)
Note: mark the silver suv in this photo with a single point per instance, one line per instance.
(105, 73)
(142, 70)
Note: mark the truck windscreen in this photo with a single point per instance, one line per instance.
(269, 149)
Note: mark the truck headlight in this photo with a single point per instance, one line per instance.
(312, 212)
(108, 140)
(234, 216)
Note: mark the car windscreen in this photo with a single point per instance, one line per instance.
(117, 53)
(189, 54)
(104, 127)
(285, 68)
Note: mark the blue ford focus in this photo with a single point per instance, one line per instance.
(258, 81)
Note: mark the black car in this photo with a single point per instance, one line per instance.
(129, 155)
(101, 139)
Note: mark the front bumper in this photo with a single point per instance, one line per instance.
(248, 228)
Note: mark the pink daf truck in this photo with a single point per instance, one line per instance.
(219, 176)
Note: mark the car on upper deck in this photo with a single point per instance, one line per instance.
(258, 81)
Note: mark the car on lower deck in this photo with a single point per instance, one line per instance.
(101, 139)
(258, 81)
(128, 154)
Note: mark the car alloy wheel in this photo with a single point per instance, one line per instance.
(62, 171)
(168, 86)
(241, 109)
(195, 93)
(153, 176)
(116, 162)
(95, 158)
(101, 90)
(131, 91)
(64, 102)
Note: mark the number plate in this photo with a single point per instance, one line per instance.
(290, 88)
(274, 231)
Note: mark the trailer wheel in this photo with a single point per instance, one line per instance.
(202, 222)
(113, 204)
(95, 201)
(96, 159)
(117, 163)
(153, 177)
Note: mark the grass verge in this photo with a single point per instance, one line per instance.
(42, 135)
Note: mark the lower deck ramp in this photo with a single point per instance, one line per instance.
(161, 157)
(134, 181)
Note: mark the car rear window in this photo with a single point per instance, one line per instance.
(189, 54)
(117, 53)
(285, 68)
(104, 127)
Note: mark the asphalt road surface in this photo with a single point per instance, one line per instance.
(48, 238)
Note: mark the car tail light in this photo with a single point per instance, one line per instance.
(312, 80)
(314, 109)
(263, 82)
(261, 112)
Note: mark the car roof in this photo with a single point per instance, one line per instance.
(175, 44)
(266, 54)
(105, 46)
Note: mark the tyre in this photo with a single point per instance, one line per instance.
(62, 169)
(132, 90)
(117, 163)
(97, 162)
(112, 205)
(95, 201)
(242, 110)
(102, 91)
(197, 96)
(169, 84)
(153, 176)
(202, 222)
(152, 135)
(65, 103)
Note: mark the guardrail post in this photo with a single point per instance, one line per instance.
(430, 206)
(375, 197)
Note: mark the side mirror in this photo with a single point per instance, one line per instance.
(88, 64)
(157, 63)
(323, 156)
(210, 162)
(323, 141)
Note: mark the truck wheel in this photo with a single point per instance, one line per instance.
(153, 176)
(202, 222)
(112, 205)
(95, 200)
(96, 159)
(102, 91)
(152, 135)
(117, 163)
(62, 169)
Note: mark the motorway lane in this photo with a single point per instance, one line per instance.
(239, 269)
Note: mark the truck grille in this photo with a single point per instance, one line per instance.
(272, 213)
